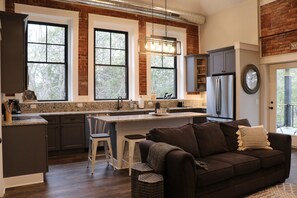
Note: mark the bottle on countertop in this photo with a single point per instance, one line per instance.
(140, 103)
(131, 104)
(157, 106)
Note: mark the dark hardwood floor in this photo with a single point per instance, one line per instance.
(68, 177)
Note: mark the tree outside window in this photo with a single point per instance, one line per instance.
(111, 64)
(163, 76)
(47, 60)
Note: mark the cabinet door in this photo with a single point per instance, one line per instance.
(53, 137)
(12, 52)
(216, 63)
(191, 74)
(24, 150)
(72, 136)
(229, 61)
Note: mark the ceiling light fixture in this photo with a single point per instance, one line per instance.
(160, 45)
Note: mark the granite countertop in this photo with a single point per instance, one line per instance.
(108, 111)
(20, 120)
(146, 117)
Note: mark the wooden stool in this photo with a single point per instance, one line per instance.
(131, 140)
(95, 138)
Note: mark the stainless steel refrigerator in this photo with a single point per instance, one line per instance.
(221, 97)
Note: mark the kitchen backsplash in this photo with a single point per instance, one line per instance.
(42, 107)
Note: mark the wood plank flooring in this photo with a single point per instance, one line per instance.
(68, 177)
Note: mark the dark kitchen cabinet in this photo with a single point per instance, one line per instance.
(196, 120)
(196, 72)
(13, 52)
(221, 61)
(24, 150)
(53, 132)
(65, 132)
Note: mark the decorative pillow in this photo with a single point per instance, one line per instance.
(210, 139)
(252, 138)
(182, 137)
(229, 129)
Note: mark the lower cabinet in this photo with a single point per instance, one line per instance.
(24, 150)
(196, 120)
(65, 132)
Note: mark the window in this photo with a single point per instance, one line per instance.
(111, 64)
(163, 76)
(47, 60)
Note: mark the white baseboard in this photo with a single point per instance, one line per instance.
(23, 180)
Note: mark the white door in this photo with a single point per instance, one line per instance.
(283, 99)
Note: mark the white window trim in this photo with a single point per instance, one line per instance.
(181, 35)
(119, 24)
(70, 18)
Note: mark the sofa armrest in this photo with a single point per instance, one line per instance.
(144, 147)
(180, 175)
(283, 143)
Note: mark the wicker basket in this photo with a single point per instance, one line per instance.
(138, 169)
(150, 185)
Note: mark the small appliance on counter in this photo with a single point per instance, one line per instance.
(16, 109)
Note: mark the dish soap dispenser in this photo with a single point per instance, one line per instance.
(131, 104)
(140, 103)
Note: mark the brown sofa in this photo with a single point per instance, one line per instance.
(230, 173)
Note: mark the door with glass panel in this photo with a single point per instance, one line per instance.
(283, 98)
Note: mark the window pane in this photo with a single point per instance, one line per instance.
(168, 61)
(102, 39)
(118, 41)
(36, 52)
(102, 56)
(55, 53)
(118, 57)
(163, 81)
(47, 81)
(156, 61)
(55, 35)
(110, 82)
(36, 33)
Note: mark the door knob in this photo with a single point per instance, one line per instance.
(271, 108)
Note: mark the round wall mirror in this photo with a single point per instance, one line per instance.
(250, 79)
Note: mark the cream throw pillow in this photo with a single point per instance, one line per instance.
(252, 138)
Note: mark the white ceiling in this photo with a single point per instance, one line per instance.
(204, 7)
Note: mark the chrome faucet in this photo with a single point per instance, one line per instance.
(120, 100)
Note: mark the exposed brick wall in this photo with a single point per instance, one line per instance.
(192, 35)
(278, 27)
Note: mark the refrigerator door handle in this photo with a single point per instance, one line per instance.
(219, 96)
(217, 93)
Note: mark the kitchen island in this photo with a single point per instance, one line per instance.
(120, 126)
(24, 150)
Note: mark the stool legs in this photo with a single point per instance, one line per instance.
(94, 151)
(110, 152)
(131, 154)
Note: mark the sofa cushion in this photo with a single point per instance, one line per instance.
(182, 137)
(210, 139)
(268, 158)
(217, 171)
(229, 129)
(242, 164)
(252, 138)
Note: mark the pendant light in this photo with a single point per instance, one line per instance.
(160, 45)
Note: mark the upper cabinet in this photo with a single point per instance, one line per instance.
(221, 61)
(196, 72)
(13, 54)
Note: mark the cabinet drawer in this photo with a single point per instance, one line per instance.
(52, 119)
(72, 119)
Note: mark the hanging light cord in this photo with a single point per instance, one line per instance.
(152, 17)
(166, 18)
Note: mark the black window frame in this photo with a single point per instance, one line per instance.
(66, 55)
(126, 66)
(175, 73)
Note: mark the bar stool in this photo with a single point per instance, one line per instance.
(95, 138)
(131, 140)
